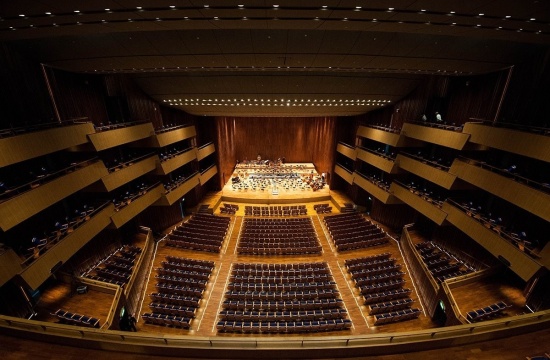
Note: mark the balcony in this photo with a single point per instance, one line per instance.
(346, 150)
(36, 198)
(436, 135)
(10, 265)
(513, 189)
(344, 173)
(205, 150)
(124, 134)
(129, 171)
(170, 198)
(526, 143)
(28, 145)
(171, 136)
(382, 162)
(42, 268)
(426, 169)
(208, 174)
(424, 205)
(386, 137)
(134, 206)
(379, 192)
(520, 262)
(175, 162)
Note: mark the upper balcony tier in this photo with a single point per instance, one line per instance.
(28, 145)
(208, 174)
(10, 265)
(382, 162)
(205, 150)
(531, 144)
(169, 137)
(519, 261)
(509, 188)
(387, 137)
(170, 198)
(26, 204)
(120, 135)
(129, 171)
(433, 172)
(42, 268)
(424, 205)
(450, 138)
(344, 173)
(167, 166)
(346, 150)
(134, 206)
(379, 191)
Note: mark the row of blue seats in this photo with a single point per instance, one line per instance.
(370, 264)
(291, 250)
(297, 315)
(286, 305)
(193, 245)
(287, 295)
(381, 287)
(184, 273)
(384, 269)
(395, 316)
(281, 273)
(282, 288)
(171, 309)
(167, 320)
(282, 326)
(386, 295)
(188, 301)
(186, 266)
(185, 261)
(179, 289)
(281, 279)
(380, 278)
(390, 306)
(487, 312)
(350, 263)
(277, 267)
(179, 280)
(66, 317)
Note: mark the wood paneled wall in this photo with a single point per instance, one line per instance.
(394, 216)
(297, 139)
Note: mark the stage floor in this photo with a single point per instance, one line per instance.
(256, 185)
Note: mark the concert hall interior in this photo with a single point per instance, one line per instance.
(290, 179)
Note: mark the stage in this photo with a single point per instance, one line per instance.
(275, 184)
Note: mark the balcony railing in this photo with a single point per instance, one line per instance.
(39, 127)
(105, 127)
(526, 128)
(443, 125)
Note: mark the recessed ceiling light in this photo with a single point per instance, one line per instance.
(532, 19)
(22, 15)
(206, 6)
(508, 16)
(324, 7)
(216, 18)
(452, 12)
(241, 6)
(275, 6)
(358, 7)
(481, 14)
(48, 13)
(391, 9)
(172, 6)
(422, 10)
(77, 11)
(139, 7)
(107, 9)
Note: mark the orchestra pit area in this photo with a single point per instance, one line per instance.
(258, 268)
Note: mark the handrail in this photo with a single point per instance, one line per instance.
(437, 203)
(346, 145)
(532, 184)
(205, 145)
(345, 168)
(167, 129)
(525, 128)
(23, 188)
(114, 126)
(176, 154)
(39, 127)
(180, 182)
(384, 128)
(208, 168)
(163, 343)
(138, 263)
(385, 156)
(421, 159)
(137, 195)
(376, 182)
(489, 225)
(419, 259)
(442, 126)
(127, 163)
(116, 300)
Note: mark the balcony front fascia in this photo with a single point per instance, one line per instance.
(344, 174)
(112, 138)
(40, 270)
(170, 198)
(208, 174)
(386, 137)
(171, 137)
(166, 167)
(518, 142)
(19, 208)
(27, 146)
(347, 151)
(203, 152)
(430, 173)
(530, 199)
(447, 138)
(378, 161)
(376, 191)
(128, 212)
(424, 207)
(123, 176)
(520, 263)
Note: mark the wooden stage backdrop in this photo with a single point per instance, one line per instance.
(298, 140)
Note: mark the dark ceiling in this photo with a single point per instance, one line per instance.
(278, 58)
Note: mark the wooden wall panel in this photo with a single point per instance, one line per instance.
(208, 174)
(129, 173)
(374, 190)
(430, 173)
(347, 151)
(378, 161)
(111, 138)
(344, 174)
(205, 151)
(298, 140)
(416, 202)
(135, 207)
(166, 167)
(394, 215)
(447, 138)
(173, 196)
(174, 136)
(10, 265)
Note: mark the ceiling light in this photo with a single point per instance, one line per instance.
(241, 6)
(532, 19)
(391, 9)
(139, 7)
(324, 7)
(206, 6)
(275, 6)
(508, 16)
(452, 12)
(48, 13)
(481, 14)
(422, 10)
(172, 6)
(22, 15)
(77, 11)
(107, 9)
